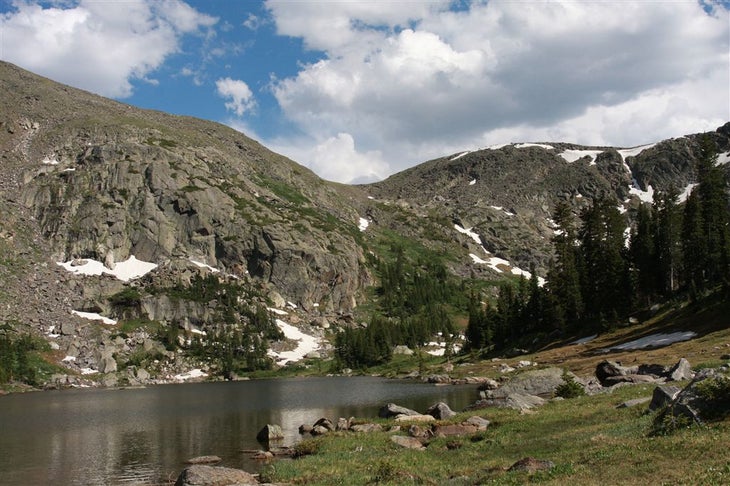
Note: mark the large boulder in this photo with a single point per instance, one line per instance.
(199, 475)
(680, 371)
(440, 411)
(534, 382)
(606, 371)
(269, 433)
(391, 410)
(663, 395)
(707, 397)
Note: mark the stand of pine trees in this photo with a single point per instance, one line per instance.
(597, 279)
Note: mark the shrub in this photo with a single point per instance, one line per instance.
(570, 388)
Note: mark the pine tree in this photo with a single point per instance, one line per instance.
(564, 291)
(667, 240)
(643, 253)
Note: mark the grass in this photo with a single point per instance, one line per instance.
(588, 439)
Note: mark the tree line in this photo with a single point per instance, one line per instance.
(600, 274)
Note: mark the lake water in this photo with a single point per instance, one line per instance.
(144, 435)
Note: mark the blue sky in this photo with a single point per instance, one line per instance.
(359, 90)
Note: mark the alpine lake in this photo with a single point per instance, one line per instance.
(145, 435)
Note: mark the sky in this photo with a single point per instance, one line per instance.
(359, 90)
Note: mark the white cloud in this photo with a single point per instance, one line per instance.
(241, 97)
(98, 46)
(414, 80)
(335, 158)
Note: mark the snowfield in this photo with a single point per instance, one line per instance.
(125, 271)
(654, 341)
(306, 344)
(93, 316)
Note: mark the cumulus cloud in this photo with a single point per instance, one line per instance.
(98, 46)
(240, 95)
(416, 80)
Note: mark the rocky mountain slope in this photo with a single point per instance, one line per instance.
(109, 210)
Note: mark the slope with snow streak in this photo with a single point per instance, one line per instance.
(306, 344)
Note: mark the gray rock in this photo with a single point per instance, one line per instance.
(439, 379)
(454, 430)
(610, 369)
(516, 401)
(270, 432)
(479, 422)
(326, 423)
(142, 374)
(391, 410)
(414, 418)
(680, 371)
(488, 384)
(342, 424)
(68, 328)
(663, 395)
(107, 364)
(319, 430)
(366, 428)
(440, 411)
(635, 379)
(533, 382)
(201, 475)
(407, 442)
(633, 403)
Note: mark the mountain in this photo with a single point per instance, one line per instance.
(188, 228)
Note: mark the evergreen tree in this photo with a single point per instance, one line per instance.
(564, 299)
(605, 279)
(667, 241)
(643, 251)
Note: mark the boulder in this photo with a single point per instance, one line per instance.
(325, 423)
(305, 429)
(391, 410)
(407, 442)
(607, 369)
(516, 401)
(701, 400)
(418, 432)
(366, 428)
(479, 422)
(342, 424)
(487, 384)
(663, 395)
(415, 418)
(533, 382)
(680, 371)
(635, 379)
(633, 403)
(270, 432)
(107, 364)
(319, 430)
(438, 379)
(440, 411)
(454, 430)
(200, 475)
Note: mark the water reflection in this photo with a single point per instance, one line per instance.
(143, 436)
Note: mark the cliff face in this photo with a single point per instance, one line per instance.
(106, 181)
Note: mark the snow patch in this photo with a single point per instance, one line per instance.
(194, 373)
(306, 344)
(722, 159)
(655, 341)
(634, 151)
(646, 196)
(469, 232)
(500, 208)
(363, 224)
(125, 271)
(204, 265)
(50, 161)
(456, 157)
(88, 371)
(472, 182)
(527, 145)
(278, 312)
(68, 359)
(687, 191)
(93, 316)
(571, 155)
